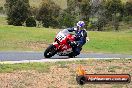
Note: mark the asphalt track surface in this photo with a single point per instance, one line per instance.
(29, 55)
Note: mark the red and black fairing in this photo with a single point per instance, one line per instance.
(63, 45)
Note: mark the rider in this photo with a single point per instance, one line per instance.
(80, 37)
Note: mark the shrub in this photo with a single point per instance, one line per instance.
(30, 22)
(128, 19)
(17, 11)
(48, 14)
(66, 20)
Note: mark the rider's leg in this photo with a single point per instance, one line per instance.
(77, 46)
(79, 43)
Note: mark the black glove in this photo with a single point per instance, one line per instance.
(73, 44)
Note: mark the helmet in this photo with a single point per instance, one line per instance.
(81, 24)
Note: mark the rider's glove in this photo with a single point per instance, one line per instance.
(73, 44)
(87, 39)
(74, 29)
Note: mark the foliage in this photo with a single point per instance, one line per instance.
(2, 10)
(81, 10)
(128, 9)
(30, 22)
(86, 9)
(17, 11)
(66, 20)
(34, 10)
(113, 6)
(109, 11)
(101, 23)
(48, 14)
(68, 17)
(128, 19)
(72, 7)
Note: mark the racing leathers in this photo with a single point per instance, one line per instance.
(80, 39)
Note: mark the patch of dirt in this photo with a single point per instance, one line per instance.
(35, 46)
(65, 76)
(58, 77)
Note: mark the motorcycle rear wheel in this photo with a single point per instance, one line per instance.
(50, 51)
(71, 55)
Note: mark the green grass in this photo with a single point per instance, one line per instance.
(17, 38)
(113, 68)
(115, 42)
(3, 21)
(40, 67)
(20, 38)
(45, 67)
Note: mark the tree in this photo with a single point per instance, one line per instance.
(2, 10)
(74, 8)
(102, 21)
(128, 9)
(48, 13)
(79, 10)
(113, 6)
(85, 10)
(114, 9)
(34, 10)
(66, 19)
(17, 11)
(30, 22)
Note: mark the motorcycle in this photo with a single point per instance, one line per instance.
(61, 45)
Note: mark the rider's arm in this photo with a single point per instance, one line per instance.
(85, 35)
(71, 29)
(87, 39)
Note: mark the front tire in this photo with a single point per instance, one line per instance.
(50, 51)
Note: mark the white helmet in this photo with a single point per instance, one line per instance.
(81, 24)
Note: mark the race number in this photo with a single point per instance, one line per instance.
(60, 36)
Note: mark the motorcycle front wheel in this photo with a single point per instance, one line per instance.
(50, 51)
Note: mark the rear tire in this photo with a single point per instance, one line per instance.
(50, 51)
(71, 55)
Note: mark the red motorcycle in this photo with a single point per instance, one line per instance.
(61, 45)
